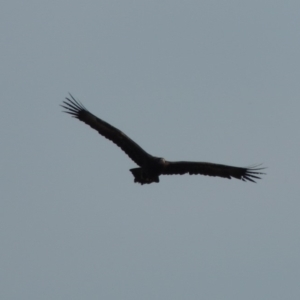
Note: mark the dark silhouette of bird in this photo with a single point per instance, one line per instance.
(151, 167)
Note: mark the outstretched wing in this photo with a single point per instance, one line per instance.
(209, 169)
(132, 149)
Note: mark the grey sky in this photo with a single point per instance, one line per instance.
(213, 81)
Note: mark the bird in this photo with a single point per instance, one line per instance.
(151, 167)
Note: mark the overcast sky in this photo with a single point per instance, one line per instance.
(214, 81)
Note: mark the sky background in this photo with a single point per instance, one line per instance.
(214, 81)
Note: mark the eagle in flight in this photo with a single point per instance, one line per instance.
(151, 167)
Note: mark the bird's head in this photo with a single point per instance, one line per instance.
(160, 160)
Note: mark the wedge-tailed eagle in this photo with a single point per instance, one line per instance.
(151, 167)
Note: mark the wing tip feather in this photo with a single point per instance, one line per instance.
(72, 106)
(252, 173)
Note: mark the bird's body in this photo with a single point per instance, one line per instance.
(151, 167)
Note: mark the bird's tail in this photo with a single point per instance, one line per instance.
(142, 177)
